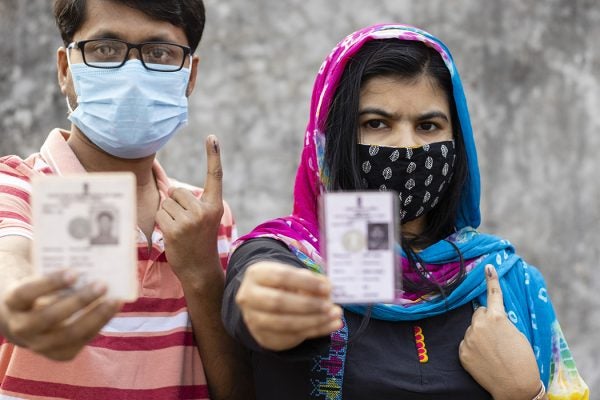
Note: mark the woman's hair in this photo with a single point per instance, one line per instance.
(407, 60)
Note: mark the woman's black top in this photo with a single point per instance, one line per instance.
(382, 361)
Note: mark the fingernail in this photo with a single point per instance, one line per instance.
(488, 270)
(215, 144)
(335, 312)
(70, 276)
(337, 324)
(111, 305)
(98, 288)
(324, 288)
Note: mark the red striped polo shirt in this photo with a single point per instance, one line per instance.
(147, 351)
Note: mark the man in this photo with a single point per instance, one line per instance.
(104, 235)
(126, 71)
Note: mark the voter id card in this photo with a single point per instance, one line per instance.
(360, 231)
(87, 223)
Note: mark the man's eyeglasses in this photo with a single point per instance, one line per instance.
(113, 53)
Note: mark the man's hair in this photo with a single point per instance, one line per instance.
(186, 14)
(105, 214)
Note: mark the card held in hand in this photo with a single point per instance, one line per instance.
(360, 234)
(87, 222)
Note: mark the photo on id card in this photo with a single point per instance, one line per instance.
(87, 223)
(360, 232)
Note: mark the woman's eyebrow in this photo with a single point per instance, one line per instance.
(386, 114)
(433, 115)
(378, 111)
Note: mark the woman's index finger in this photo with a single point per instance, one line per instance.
(495, 298)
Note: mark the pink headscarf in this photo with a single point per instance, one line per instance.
(300, 230)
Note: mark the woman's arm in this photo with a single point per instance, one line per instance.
(270, 303)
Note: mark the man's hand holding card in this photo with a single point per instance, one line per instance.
(83, 256)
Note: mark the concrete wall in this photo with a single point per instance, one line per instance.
(532, 76)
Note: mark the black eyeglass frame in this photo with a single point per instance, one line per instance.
(80, 45)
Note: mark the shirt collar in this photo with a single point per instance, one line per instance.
(57, 153)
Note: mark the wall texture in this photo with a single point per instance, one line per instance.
(532, 75)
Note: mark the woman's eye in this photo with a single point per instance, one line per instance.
(427, 126)
(375, 124)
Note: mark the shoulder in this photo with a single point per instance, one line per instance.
(533, 276)
(15, 176)
(504, 251)
(16, 167)
(15, 194)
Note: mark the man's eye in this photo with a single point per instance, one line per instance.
(105, 50)
(158, 53)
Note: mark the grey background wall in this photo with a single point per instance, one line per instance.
(532, 75)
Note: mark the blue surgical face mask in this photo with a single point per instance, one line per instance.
(129, 112)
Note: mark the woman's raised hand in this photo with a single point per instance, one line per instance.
(283, 305)
(495, 353)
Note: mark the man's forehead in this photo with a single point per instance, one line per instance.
(111, 19)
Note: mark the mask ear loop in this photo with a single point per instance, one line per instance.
(190, 68)
(69, 48)
(189, 73)
(71, 111)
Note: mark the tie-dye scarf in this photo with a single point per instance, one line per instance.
(525, 298)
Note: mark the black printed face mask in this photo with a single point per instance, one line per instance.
(419, 175)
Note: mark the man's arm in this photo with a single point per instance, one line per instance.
(226, 363)
(15, 261)
(15, 265)
(35, 312)
(190, 227)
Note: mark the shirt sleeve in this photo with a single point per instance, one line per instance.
(15, 208)
(227, 234)
(252, 251)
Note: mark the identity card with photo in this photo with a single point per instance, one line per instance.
(87, 222)
(360, 231)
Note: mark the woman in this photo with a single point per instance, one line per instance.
(388, 112)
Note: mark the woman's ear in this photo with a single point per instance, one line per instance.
(193, 75)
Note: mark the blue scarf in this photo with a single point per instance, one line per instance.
(532, 314)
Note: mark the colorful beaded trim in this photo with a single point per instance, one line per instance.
(420, 343)
(328, 369)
